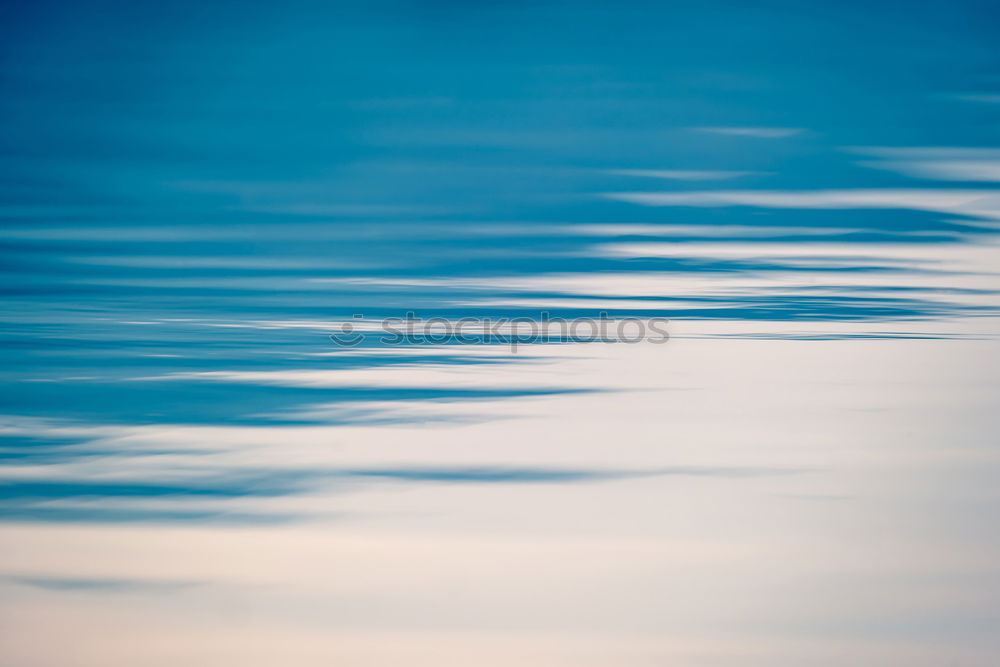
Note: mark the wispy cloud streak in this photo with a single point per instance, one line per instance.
(974, 203)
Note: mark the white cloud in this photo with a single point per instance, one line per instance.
(758, 132)
(987, 98)
(976, 203)
(684, 175)
(944, 164)
(536, 376)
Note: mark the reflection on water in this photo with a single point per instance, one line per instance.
(194, 198)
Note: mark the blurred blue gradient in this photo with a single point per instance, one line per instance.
(194, 194)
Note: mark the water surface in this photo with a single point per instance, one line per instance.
(195, 196)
